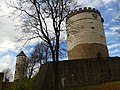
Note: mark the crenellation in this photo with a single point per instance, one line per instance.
(80, 9)
(84, 9)
(89, 8)
(93, 9)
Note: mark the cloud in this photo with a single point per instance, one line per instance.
(90, 3)
(110, 9)
(108, 1)
(115, 28)
(110, 34)
(106, 24)
(7, 43)
(113, 46)
(7, 33)
(2, 66)
(115, 51)
(7, 61)
(94, 3)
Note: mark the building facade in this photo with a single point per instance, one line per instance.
(85, 31)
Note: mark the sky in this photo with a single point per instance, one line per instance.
(9, 47)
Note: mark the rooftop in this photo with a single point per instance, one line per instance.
(21, 54)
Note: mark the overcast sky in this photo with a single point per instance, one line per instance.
(9, 46)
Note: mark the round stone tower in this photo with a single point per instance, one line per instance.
(20, 66)
(86, 38)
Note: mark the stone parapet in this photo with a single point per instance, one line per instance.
(81, 10)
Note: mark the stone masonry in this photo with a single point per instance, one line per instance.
(86, 36)
(76, 73)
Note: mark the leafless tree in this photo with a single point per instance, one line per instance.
(32, 66)
(7, 74)
(40, 54)
(44, 19)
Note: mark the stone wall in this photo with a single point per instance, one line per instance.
(1, 80)
(74, 73)
(98, 50)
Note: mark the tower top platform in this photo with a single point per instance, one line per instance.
(84, 9)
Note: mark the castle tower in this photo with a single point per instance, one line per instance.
(20, 66)
(86, 38)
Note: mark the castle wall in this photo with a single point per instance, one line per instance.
(76, 73)
(85, 28)
(1, 80)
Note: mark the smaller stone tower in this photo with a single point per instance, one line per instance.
(20, 66)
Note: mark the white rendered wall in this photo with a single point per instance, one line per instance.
(85, 28)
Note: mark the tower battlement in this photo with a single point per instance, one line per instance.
(84, 9)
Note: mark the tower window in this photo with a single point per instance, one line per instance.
(68, 35)
(92, 27)
(94, 15)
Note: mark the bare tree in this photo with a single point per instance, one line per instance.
(32, 66)
(35, 16)
(7, 74)
(40, 54)
(42, 50)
